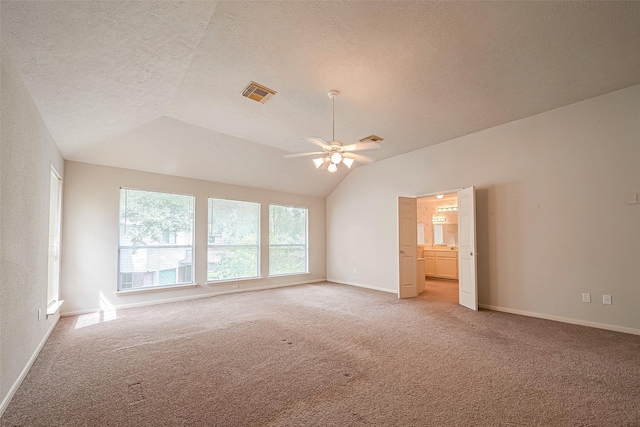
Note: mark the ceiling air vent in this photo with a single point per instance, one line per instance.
(372, 138)
(258, 92)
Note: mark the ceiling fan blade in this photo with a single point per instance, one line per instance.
(358, 157)
(315, 153)
(318, 141)
(326, 164)
(361, 146)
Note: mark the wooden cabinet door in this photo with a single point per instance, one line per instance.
(447, 267)
(420, 275)
(430, 264)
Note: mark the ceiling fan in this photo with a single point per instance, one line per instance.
(333, 153)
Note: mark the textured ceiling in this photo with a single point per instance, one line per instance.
(97, 69)
(114, 80)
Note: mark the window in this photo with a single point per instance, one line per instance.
(234, 230)
(126, 280)
(54, 238)
(156, 239)
(287, 240)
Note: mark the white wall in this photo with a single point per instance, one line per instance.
(551, 214)
(90, 235)
(27, 153)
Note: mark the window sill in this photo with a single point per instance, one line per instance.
(224, 281)
(154, 289)
(289, 274)
(53, 308)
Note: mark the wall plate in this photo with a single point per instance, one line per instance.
(632, 199)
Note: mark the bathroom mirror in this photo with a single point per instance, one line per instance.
(438, 237)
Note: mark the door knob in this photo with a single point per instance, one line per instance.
(401, 252)
(471, 253)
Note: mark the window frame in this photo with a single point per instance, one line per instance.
(258, 245)
(306, 243)
(155, 274)
(53, 257)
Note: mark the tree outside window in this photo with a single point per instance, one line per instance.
(156, 239)
(234, 230)
(288, 250)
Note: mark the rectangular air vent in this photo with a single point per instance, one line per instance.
(372, 138)
(257, 92)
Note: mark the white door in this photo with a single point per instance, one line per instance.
(408, 246)
(467, 265)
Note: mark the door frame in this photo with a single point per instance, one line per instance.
(435, 193)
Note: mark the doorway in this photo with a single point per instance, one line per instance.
(437, 217)
(437, 240)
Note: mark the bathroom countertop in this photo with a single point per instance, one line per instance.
(441, 248)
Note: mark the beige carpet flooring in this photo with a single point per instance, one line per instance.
(328, 355)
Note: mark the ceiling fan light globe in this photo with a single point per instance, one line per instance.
(332, 168)
(348, 162)
(318, 162)
(336, 158)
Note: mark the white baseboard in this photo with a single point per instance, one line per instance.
(562, 319)
(360, 285)
(191, 297)
(25, 370)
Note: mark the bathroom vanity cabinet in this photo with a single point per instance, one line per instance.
(441, 263)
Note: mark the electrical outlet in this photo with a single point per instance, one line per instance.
(606, 299)
(235, 286)
(586, 297)
(355, 271)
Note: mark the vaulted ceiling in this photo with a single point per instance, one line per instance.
(156, 86)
